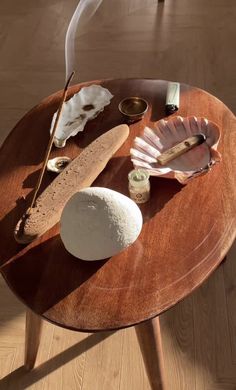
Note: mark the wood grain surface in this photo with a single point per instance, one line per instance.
(150, 343)
(186, 40)
(33, 328)
(186, 233)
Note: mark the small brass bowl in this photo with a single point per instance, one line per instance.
(133, 108)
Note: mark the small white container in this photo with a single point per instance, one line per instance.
(139, 185)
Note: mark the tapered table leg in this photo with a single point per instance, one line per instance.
(32, 338)
(149, 338)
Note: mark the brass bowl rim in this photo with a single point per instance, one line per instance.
(133, 98)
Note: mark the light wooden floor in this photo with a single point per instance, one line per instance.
(192, 41)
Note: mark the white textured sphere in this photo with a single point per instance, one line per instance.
(97, 223)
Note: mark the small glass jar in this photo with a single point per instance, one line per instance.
(139, 185)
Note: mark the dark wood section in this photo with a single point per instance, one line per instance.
(187, 230)
(150, 342)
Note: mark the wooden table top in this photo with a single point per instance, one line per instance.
(187, 230)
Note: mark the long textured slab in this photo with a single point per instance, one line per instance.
(80, 173)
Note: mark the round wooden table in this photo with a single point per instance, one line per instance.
(187, 230)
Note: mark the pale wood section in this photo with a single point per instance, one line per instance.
(33, 329)
(150, 341)
(230, 292)
(7, 357)
(185, 40)
(132, 362)
(167, 42)
(178, 336)
(217, 359)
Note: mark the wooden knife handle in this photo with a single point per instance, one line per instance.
(181, 148)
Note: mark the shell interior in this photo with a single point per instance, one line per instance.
(153, 142)
(83, 106)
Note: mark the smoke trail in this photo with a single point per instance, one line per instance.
(83, 12)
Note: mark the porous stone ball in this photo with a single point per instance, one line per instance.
(97, 223)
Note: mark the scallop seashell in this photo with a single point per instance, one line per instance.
(98, 223)
(58, 164)
(83, 106)
(193, 163)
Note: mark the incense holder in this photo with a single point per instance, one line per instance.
(133, 108)
(78, 110)
(166, 134)
(80, 173)
(58, 164)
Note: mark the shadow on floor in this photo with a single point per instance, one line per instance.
(22, 379)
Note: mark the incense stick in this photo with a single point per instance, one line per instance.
(49, 147)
